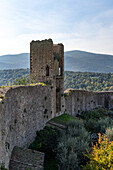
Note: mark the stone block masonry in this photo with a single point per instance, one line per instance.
(47, 65)
(41, 61)
(77, 101)
(26, 159)
(23, 111)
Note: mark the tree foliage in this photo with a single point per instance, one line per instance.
(89, 81)
(101, 156)
(71, 146)
(76, 80)
(24, 80)
(7, 76)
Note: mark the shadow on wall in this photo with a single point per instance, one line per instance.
(77, 101)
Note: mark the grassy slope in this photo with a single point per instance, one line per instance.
(64, 119)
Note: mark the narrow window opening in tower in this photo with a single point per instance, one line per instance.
(47, 71)
(59, 71)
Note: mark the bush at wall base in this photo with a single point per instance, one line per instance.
(71, 146)
(101, 156)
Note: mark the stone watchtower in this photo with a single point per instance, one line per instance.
(47, 65)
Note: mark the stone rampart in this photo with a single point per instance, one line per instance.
(26, 109)
(23, 111)
(26, 159)
(77, 101)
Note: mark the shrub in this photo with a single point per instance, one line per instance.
(94, 114)
(71, 146)
(109, 133)
(90, 125)
(96, 126)
(101, 156)
(24, 80)
(46, 140)
(102, 124)
(68, 160)
(3, 166)
(110, 113)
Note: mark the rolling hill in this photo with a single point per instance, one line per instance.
(74, 61)
(88, 62)
(17, 61)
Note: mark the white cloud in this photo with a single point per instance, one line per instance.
(98, 44)
(25, 20)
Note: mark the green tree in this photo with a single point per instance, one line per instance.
(24, 80)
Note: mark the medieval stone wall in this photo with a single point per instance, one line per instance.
(26, 109)
(58, 54)
(26, 159)
(77, 101)
(23, 111)
(41, 60)
(47, 65)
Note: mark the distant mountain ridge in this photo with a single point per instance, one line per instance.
(73, 61)
(16, 61)
(88, 62)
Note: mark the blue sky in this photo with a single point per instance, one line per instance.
(78, 24)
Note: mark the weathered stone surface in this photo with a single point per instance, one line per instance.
(26, 109)
(47, 65)
(23, 111)
(26, 159)
(77, 101)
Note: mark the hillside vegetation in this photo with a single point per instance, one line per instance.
(76, 80)
(89, 81)
(73, 61)
(80, 145)
(7, 76)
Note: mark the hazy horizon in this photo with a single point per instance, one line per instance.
(64, 52)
